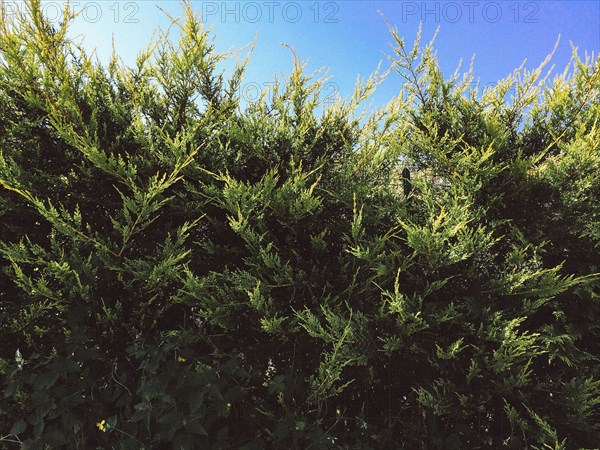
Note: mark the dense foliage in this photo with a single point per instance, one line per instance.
(184, 270)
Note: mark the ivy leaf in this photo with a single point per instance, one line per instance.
(18, 427)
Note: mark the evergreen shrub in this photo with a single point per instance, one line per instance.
(182, 269)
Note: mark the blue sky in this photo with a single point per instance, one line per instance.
(351, 37)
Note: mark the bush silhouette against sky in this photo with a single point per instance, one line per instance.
(351, 38)
(183, 268)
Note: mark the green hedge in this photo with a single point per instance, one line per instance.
(184, 270)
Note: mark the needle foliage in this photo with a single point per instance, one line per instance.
(183, 269)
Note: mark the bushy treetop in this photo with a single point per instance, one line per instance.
(181, 269)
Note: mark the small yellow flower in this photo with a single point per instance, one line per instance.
(229, 405)
(338, 412)
(101, 425)
(181, 359)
